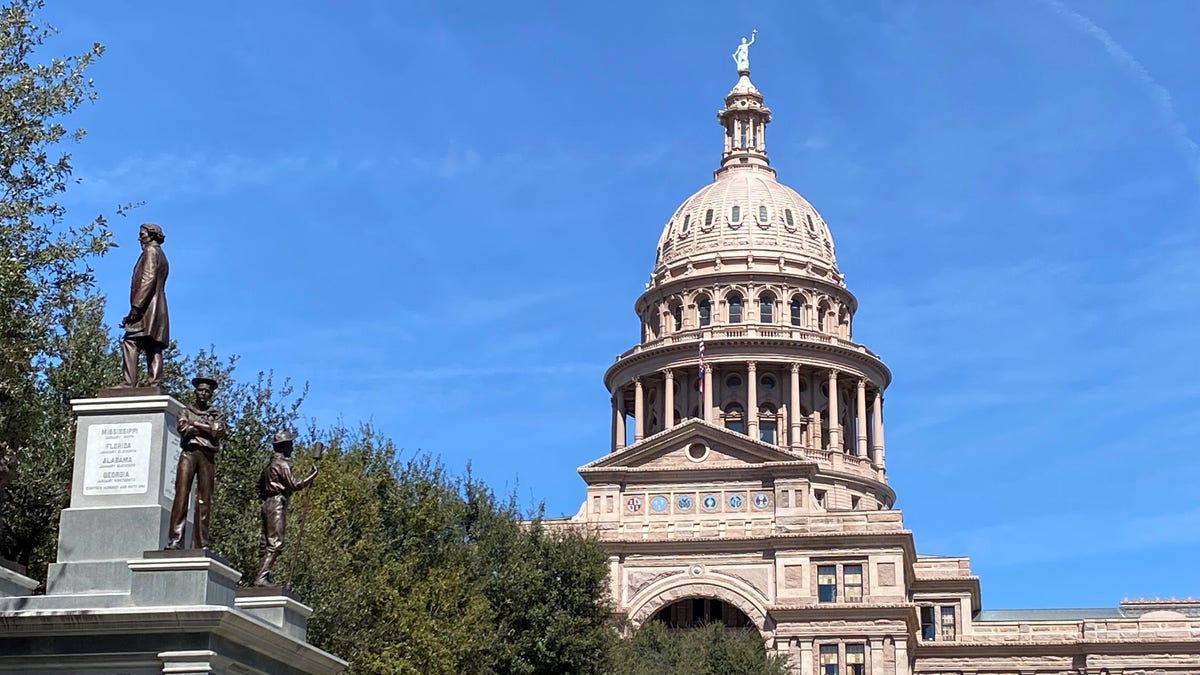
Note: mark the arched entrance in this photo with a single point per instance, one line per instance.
(696, 612)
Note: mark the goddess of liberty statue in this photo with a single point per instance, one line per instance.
(741, 55)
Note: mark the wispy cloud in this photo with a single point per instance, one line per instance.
(1161, 96)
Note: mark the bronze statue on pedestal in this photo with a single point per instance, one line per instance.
(147, 326)
(201, 429)
(275, 486)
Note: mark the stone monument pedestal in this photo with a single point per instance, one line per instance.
(115, 601)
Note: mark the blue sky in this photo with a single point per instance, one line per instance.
(440, 216)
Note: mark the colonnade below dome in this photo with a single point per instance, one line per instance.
(786, 404)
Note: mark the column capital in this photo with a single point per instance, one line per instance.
(668, 373)
(752, 366)
(862, 383)
(795, 367)
(833, 373)
(637, 380)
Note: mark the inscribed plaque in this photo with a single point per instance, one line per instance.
(118, 459)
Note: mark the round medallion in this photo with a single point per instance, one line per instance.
(684, 503)
(709, 503)
(761, 500)
(735, 501)
(633, 504)
(658, 504)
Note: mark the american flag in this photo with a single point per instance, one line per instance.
(701, 374)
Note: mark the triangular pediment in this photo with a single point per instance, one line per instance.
(692, 445)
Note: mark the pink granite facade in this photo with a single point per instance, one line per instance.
(747, 481)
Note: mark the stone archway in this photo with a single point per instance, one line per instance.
(653, 601)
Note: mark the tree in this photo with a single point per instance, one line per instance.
(44, 279)
(710, 650)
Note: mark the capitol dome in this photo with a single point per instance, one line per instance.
(745, 209)
(745, 215)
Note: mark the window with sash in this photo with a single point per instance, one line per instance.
(829, 660)
(827, 583)
(852, 582)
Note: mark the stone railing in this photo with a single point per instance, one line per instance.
(749, 330)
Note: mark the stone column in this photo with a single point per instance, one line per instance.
(639, 411)
(794, 408)
(861, 422)
(618, 420)
(708, 393)
(814, 431)
(806, 656)
(878, 430)
(835, 432)
(902, 667)
(752, 399)
(669, 398)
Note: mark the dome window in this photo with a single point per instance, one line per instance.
(797, 310)
(735, 307)
(767, 382)
(687, 221)
(811, 227)
(787, 215)
(677, 316)
(733, 381)
(766, 309)
(763, 215)
(735, 214)
(704, 311)
(708, 216)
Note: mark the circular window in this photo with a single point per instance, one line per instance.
(684, 503)
(767, 382)
(761, 500)
(709, 503)
(658, 504)
(735, 501)
(633, 504)
(733, 381)
(697, 452)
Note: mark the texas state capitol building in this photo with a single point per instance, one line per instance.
(747, 481)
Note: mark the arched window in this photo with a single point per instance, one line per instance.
(822, 311)
(766, 309)
(704, 312)
(763, 216)
(797, 309)
(655, 324)
(735, 307)
(708, 216)
(787, 215)
(687, 221)
(677, 316)
(735, 214)
(734, 417)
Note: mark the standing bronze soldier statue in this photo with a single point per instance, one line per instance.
(201, 429)
(275, 486)
(147, 326)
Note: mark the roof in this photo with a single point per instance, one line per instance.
(1069, 614)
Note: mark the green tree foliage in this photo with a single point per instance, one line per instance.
(710, 650)
(44, 279)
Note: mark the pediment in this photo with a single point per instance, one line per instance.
(692, 445)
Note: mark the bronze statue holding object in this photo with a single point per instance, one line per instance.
(275, 486)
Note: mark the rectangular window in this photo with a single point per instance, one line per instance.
(829, 660)
(855, 659)
(766, 431)
(948, 623)
(928, 627)
(852, 582)
(827, 583)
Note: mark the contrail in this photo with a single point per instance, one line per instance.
(1162, 97)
